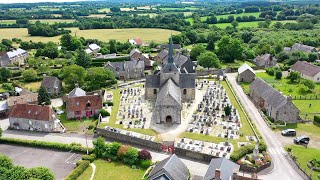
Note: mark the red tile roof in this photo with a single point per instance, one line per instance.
(23, 99)
(138, 41)
(81, 103)
(32, 111)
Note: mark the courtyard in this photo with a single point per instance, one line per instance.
(61, 163)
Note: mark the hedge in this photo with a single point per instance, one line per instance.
(43, 144)
(90, 157)
(317, 119)
(82, 165)
(241, 152)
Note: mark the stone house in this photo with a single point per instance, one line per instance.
(34, 118)
(161, 57)
(136, 55)
(307, 70)
(181, 61)
(52, 84)
(171, 168)
(300, 47)
(273, 103)
(92, 49)
(80, 105)
(169, 87)
(127, 69)
(17, 56)
(265, 61)
(246, 73)
(137, 42)
(28, 98)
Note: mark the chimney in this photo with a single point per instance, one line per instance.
(217, 174)
(76, 85)
(289, 98)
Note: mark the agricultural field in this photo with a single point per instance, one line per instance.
(105, 10)
(185, 8)
(249, 24)
(122, 35)
(97, 16)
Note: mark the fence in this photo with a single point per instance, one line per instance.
(311, 97)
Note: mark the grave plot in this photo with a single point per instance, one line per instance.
(131, 112)
(222, 149)
(210, 117)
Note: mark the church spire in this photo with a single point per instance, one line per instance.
(170, 55)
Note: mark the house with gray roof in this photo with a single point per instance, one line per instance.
(92, 49)
(127, 69)
(52, 84)
(265, 61)
(300, 47)
(136, 55)
(273, 102)
(171, 168)
(183, 62)
(17, 57)
(221, 168)
(169, 87)
(307, 70)
(246, 73)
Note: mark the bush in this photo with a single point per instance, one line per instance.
(90, 157)
(109, 103)
(104, 113)
(278, 74)
(44, 144)
(145, 164)
(82, 165)
(41, 173)
(270, 71)
(5, 162)
(144, 155)
(241, 152)
(122, 151)
(131, 156)
(317, 119)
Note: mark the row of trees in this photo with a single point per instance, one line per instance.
(42, 29)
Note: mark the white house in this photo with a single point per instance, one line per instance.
(307, 70)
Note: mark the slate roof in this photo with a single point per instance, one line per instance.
(134, 51)
(115, 65)
(306, 68)
(77, 92)
(187, 80)
(166, 46)
(265, 57)
(180, 59)
(32, 111)
(22, 99)
(172, 167)
(80, 103)
(226, 167)
(153, 81)
(302, 47)
(244, 67)
(273, 98)
(163, 54)
(49, 81)
(124, 65)
(169, 88)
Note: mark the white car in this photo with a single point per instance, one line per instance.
(59, 111)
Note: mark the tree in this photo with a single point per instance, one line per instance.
(4, 74)
(29, 75)
(115, 9)
(229, 49)
(50, 50)
(72, 75)
(99, 146)
(278, 25)
(43, 97)
(312, 57)
(40, 173)
(83, 59)
(246, 36)
(113, 47)
(294, 76)
(309, 84)
(210, 45)
(196, 51)
(278, 74)
(208, 60)
(66, 41)
(99, 77)
(227, 110)
(22, 21)
(234, 23)
(192, 36)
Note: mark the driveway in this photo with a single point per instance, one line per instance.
(60, 163)
(282, 169)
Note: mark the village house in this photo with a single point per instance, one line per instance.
(80, 105)
(171, 168)
(307, 70)
(14, 57)
(92, 49)
(181, 61)
(26, 98)
(161, 57)
(273, 103)
(137, 42)
(136, 55)
(34, 118)
(175, 47)
(169, 87)
(52, 84)
(127, 69)
(246, 73)
(265, 61)
(300, 47)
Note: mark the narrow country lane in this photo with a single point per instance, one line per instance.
(282, 169)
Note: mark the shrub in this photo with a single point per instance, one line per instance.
(99, 146)
(82, 165)
(145, 163)
(241, 152)
(90, 157)
(41, 173)
(144, 155)
(278, 74)
(270, 71)
(5, 162)
(109, 103)
(122, 151)
(131, 156)
(104, 113)
(317, 119)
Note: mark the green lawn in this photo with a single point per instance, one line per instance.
(236, 64)
(113, 170)
(303, 156)
(76, 126)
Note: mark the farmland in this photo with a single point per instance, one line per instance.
(249, 24)
(122, 35)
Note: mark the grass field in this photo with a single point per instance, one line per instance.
(50, 21)
(182, 8)
(31, 86)
(97, 16)
(76, 126)
(113, 170)
(236, 64)
(106, 10)
(303, 156)
(122, 35)
(248, 24)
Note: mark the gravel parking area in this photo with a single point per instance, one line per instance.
(61, 163)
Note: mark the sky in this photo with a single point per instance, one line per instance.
(32, 1)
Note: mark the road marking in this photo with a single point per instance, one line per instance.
(69, 158)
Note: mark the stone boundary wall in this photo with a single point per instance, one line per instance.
(113, 136)
(298, 169)
(248, 169)
(193, 155)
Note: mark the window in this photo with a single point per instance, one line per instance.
(184, 91)
(77, 112)
(154, 91)
(88, 104)
(46, 126)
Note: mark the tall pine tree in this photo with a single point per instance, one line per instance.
(43, 97)
(83, 59)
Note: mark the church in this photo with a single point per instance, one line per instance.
(169, 87)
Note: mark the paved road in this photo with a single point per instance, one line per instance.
(282, 169)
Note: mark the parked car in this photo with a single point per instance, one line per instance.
(288, 132)
(301, 140)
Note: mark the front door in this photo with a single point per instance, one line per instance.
(169, 119)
